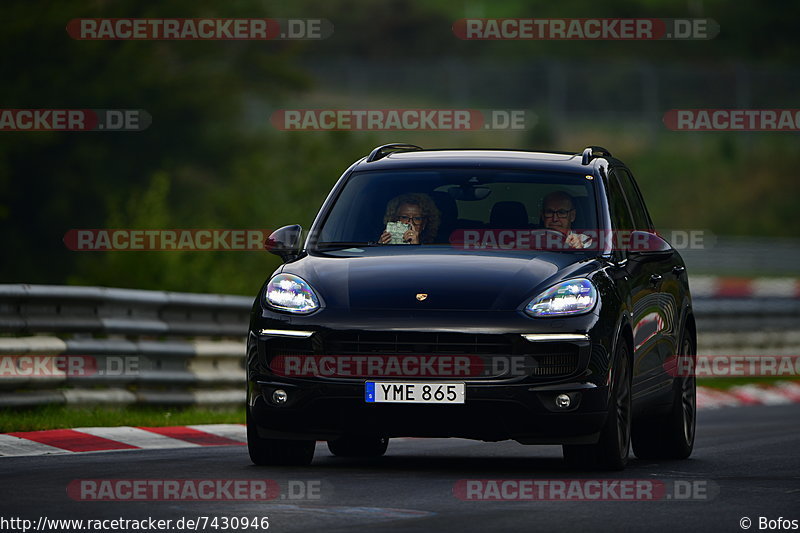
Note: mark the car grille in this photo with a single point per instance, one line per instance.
(540, 359)
(404, 342)
(561, 363)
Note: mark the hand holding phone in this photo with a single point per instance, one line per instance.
(396, 230)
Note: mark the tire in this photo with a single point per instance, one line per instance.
(671, 436)
(358, 447)
(277, 452)
(613, 448)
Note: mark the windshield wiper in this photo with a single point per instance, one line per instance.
(339, 245)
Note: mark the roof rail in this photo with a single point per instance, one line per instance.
(382, 151)
(590, 152)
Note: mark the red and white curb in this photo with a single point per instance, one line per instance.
(59, 441)
(784, 392)
(63, 441)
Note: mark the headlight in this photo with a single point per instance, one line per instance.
(571, 297)
(288, 292)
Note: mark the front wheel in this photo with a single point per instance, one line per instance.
(671, 436)
(612, 449)
(277, 452)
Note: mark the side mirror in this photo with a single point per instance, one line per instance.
(644, 244)
(285, 242)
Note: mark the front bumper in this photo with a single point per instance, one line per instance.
(497, 407)
(526, 413)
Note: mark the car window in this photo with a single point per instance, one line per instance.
(641, 220)
(621, 218)
(453, 201)
(530, 195)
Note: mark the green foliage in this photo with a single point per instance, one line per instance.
(725, 183)
(210, 160)
(264, 190)
(196, 93)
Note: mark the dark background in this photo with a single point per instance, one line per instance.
(211, 158)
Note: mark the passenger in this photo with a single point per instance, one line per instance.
(419, 212)
(558, 214)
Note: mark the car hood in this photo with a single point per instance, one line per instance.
(448, 280)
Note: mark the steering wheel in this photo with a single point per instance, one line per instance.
(549, 240)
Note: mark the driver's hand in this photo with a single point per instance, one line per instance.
(574, 241)
(385, 238)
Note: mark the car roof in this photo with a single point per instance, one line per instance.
(472, 158)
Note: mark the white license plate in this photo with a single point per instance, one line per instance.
(414, 392)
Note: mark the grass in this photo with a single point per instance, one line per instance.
(58, 416)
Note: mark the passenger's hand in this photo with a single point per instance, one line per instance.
(411, 236)
(385, 238)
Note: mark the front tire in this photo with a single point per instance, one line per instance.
(671, 436)
(277, 452)
(612, 449)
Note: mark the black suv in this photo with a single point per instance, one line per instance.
(482, 294)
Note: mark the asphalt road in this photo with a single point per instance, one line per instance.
(746, 464)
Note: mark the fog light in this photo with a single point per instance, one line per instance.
(563, 401)
(280, 396)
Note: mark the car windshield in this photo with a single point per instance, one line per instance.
(477, 209)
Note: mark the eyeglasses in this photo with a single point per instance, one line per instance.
(406, 219)
(559, 213)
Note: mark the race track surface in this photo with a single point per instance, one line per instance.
(745, 464)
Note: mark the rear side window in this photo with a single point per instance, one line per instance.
(641, 220)
(620, 214)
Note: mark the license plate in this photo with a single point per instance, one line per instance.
(414, 392)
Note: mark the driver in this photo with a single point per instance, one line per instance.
(419, 212)
(558, 214)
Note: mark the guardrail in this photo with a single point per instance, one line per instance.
(747, 316)
(92, 345)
